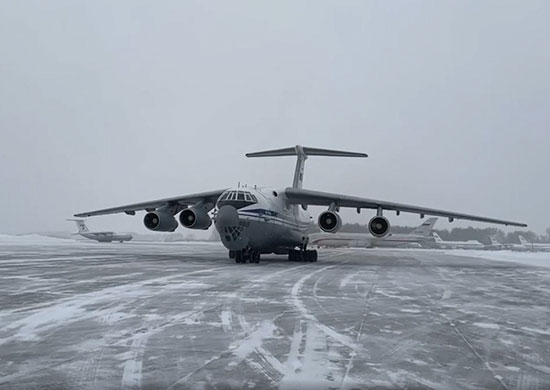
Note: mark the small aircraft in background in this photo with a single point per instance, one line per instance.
(533, 246)
(496, 245)
(99, 236)
(439, 243)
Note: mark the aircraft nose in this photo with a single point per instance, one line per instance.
(231, 232)
(227, 216)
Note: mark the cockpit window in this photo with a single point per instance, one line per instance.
(237, 199)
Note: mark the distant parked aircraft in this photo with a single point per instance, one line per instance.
(533, 246)
(99, 236)
(415, 239)
(441, 244)
(496, 245)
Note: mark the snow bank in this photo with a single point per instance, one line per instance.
(538, 259)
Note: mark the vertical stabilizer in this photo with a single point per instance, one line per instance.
(436, 236)
(82, 228)
(302, 152)
(523, 240)
(426, 228)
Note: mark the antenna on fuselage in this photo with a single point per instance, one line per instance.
(302, 153)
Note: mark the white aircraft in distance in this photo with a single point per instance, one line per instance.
(415, 239)
(441, 244)
(533, 246)
(99, 236)
(496, 245)
(254, 221)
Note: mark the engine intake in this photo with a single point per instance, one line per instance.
(195, 219)
(329, 221)
(160, 221)
(379, 226)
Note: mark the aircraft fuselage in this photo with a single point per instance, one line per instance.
(261, 219)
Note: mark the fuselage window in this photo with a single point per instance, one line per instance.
(240, 196)
(247, 197)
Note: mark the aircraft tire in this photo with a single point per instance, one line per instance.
(293, 255)
(255, 257)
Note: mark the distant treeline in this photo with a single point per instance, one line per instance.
(458, 234)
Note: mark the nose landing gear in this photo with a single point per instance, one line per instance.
(302, 255)
(245, 255)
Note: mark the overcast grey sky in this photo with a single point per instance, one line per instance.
(104, 103)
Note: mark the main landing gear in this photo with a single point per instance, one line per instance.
(302, 255)
(245, 255)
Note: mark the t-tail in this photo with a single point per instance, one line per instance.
(426, 228)
(494, 240)
(82, 228)
(436, 237)
(523, 240)
(302, 153)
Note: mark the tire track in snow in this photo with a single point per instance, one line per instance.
(269, 364)
(296, 301)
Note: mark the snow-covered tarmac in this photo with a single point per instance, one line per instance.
(79, 315)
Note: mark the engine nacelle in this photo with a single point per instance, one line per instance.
(329, 221)
(160, 221)
(195, 219)
(379, 226)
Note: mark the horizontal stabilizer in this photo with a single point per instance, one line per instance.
(302, 153)
(305, 151)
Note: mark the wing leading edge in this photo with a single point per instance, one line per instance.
(318, 198)
(185, 200)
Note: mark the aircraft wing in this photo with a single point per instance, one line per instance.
(183, 201)
(317, 198)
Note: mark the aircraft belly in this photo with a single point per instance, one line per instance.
(269, 235)
(261, 235)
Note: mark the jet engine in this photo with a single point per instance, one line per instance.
(195, 218)
(160, 221)
(379, 226)
(329, 221)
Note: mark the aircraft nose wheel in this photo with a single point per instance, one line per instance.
(302, 256)
(246, 256)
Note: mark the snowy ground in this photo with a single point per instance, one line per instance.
(77, 315)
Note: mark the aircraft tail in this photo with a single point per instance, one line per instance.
(82, 228)
(523, 240)
(494, 240)
(302, 152)
(426, 228)
(436, 236)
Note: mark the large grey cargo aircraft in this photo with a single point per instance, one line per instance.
(99, 236)
(255, 221)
